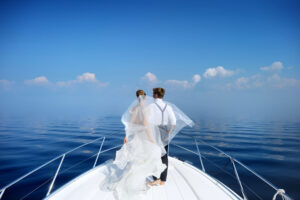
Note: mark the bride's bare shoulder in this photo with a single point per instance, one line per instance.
(134, 108)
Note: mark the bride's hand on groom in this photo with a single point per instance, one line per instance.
(125, 140)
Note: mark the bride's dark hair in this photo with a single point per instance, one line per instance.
(140, 92)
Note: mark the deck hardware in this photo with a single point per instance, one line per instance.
(196, 139)
(199, 154)
(279, 192)
(2, 192)
(56, 173)
(238, 179)
(99, 152)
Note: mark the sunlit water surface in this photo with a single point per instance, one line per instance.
(271, 148)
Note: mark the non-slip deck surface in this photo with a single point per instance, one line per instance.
(185, 182)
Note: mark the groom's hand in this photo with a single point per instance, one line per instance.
(171, 129)
(125, 140)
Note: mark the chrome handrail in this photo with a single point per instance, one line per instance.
(243, 165)
(233, 161)
(56, 173)
(99, 152)
(200, 157)
(238, 178)
(62, 156)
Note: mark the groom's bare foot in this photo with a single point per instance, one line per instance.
(156, 182)
(162, 182)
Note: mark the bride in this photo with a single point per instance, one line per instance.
(140, 156)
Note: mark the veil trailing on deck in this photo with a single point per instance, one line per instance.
(139, 157)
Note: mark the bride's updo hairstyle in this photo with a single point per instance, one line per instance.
(140, 93)
(160, 92)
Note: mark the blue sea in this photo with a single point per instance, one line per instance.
(271, 148)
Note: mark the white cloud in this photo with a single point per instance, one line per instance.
(276, 66)
(41, 80)
(218, 71)
(242, 82)
(150, 78)
(185, 84)
(254, 81)
(86, 77)
(65, 83)
(257, 81)
(278, 82)
(196, 78)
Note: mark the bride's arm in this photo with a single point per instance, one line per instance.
(146, 124)
(131, 118)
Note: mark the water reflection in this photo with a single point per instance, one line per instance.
(265, 146)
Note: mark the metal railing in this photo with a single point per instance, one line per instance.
(278, 191)
(62, 157)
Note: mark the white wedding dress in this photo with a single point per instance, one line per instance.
(139, 157)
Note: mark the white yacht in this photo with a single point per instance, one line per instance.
(185, 181)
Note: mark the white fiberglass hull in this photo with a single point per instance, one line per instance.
(184, 182)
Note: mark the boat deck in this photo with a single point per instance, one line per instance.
(185, 182)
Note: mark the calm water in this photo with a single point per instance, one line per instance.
(270, 148)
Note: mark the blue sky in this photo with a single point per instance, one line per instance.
(215, 58)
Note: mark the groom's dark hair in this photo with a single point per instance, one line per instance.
(160, 92)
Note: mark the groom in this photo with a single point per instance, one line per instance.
(164, 118)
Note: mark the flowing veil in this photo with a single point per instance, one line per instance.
(136, 118)
(140, 157)
(182, 120)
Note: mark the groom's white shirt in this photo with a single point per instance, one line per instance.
(156, 116)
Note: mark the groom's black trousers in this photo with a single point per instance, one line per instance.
(164, 159)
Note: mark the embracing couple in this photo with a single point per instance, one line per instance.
(142, 162)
